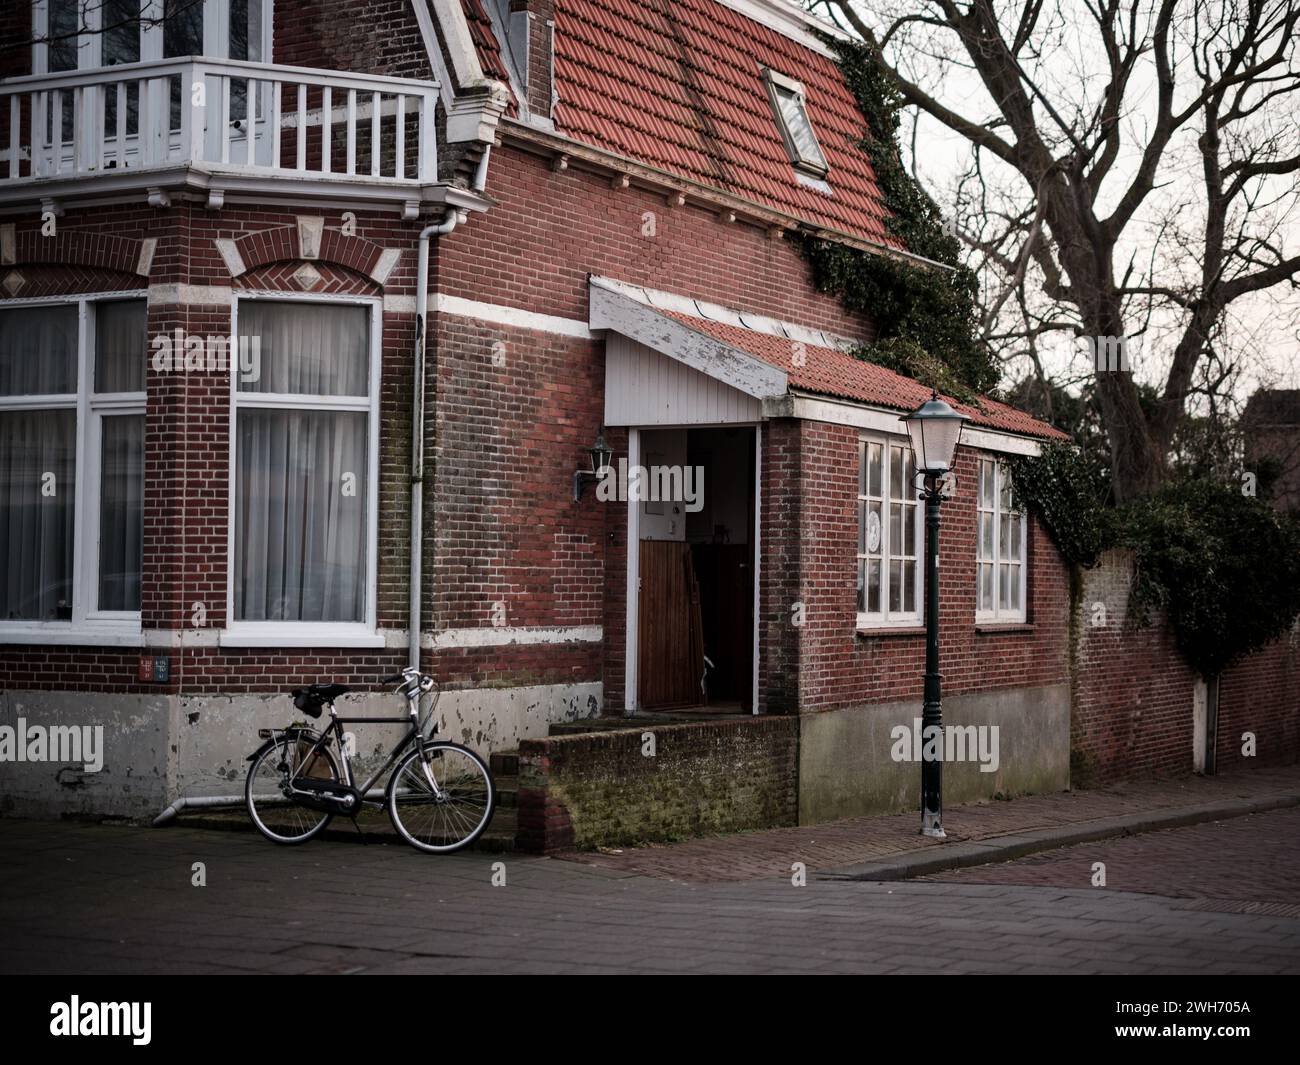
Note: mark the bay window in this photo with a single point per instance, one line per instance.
(304, 467)
(1000, 547)
(72, 402)
(889, 535)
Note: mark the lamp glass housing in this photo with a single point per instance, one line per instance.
(935, 429)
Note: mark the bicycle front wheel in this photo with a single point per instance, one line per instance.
(442, 801)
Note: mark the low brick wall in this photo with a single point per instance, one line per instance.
(1134, 695)
(599, 788)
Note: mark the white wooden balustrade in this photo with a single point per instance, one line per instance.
(220, 116)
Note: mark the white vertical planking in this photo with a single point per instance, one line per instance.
(643, 387)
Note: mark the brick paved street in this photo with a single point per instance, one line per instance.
(1251, 859)
(106, 899)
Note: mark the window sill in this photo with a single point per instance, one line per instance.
(301, 636)
(67, 636)
(890, 630)
(996, 627)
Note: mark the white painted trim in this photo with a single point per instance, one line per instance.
(633, 580)
(789, 20)
(885, 420)
(516, 318)
(739, 369)
(716, 312)
(486, 636)
(66, 634)
(295, 634)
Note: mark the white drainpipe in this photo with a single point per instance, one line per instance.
(452, 218)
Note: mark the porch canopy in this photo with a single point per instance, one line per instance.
(674, 360)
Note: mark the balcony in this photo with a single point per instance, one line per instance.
(226, 129)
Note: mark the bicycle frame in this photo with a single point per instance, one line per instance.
(414, 733)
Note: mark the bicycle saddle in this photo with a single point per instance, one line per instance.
(311, 698)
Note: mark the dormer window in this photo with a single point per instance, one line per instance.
(787, 96)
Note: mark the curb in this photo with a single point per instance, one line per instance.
(945, 856)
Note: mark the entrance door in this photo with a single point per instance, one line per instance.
(695, 612)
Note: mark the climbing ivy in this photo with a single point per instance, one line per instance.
(926, 319)
(1223, 567)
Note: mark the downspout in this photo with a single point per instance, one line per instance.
(450, 220)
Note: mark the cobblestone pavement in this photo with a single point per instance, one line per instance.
(769, 853)
(106, 899)
(1253, 859)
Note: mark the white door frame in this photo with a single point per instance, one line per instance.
(630, 655)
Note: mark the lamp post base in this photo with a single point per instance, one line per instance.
(932, 826)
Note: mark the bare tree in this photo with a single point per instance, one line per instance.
(1149, 153)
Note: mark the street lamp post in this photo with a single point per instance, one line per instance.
(934, 429)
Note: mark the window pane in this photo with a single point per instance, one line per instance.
(862, 471)
(909, 531)
(873, 586)
(986, 485)
(895, 529)
(986, 535)
(895, 586)
(121, 346)
(121, 511)
(64, 24)
(875, 532)
(909, 586)
(306, 348)
(800, 129)
(1004, 536)
(1004, 491)
(862, 528)
(1015, 524)
(1004, 586)
(986, 586)
(874, 480)
(1015, 588)
(862, 585)
(37, 492)
(300, 516)
(38, 350)
(182, 28)
(895, 473)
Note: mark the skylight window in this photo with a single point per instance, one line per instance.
(787, 97)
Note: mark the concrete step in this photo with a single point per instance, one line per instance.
(374, 825)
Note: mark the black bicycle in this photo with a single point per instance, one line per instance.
(440, 796)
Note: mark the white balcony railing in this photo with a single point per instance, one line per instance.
(221, 116)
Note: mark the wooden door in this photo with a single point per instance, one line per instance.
(670, 648)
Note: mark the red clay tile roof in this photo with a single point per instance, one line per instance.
(831, 372)
(678, 85)
(485, 43)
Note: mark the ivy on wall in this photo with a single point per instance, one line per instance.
(1223, 567)
(926, 318)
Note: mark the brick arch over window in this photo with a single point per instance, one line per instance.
(308, 275)
(308, 240)
(89, 249)
(33, 280)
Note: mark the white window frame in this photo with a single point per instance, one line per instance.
(812, 165)
(98, 626)
(884, 617)
(216, 32)
(364, 633)
(1017, 613)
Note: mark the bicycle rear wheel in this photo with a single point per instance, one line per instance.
(442, 802)
(278, 819)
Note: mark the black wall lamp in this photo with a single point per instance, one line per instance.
(601, 453)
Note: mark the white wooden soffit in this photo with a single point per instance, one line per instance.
(740, 370)
(473, 117)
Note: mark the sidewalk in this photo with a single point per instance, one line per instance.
(890, 847)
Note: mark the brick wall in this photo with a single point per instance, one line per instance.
(1133, 693)
(600, 789)
(810, 477)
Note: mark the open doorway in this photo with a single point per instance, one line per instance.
(696, 565)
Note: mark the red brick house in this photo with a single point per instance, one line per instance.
(210, 244)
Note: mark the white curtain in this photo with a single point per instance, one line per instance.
(38, 351)
(121, 346)
(37, 493)
(121, 511)
(301, 475)
(309, 349)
